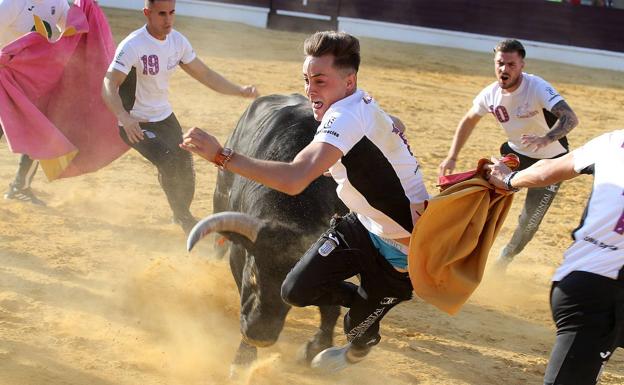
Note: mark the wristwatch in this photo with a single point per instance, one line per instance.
(223, 157)
(507, 181)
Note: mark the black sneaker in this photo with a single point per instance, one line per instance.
(24, 195)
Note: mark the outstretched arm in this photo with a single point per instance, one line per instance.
(290, 178)
(462, 133)
(541, 174)
(566, 121)
(110, 95)
(213, 80)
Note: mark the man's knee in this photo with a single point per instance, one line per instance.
(293, 292)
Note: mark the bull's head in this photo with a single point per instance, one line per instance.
(268, 257)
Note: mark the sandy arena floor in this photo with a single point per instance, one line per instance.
(98, 289)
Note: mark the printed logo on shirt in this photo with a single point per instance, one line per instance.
(553, 94)
(329, 122)
(329, 132)
(172, 62)
(119, 55)
(523, 112)
(600, 244)
(325, 129)
(53, 10)
(367, 99)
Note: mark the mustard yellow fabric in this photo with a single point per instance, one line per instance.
(54, 167)
(450, 243)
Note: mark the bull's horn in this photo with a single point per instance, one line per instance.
(227, 221)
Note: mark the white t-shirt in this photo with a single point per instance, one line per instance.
(16, 17)
(155, 61)
(523, 111)
(378, 177)
(599, 241)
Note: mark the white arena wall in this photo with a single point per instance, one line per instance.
(258, 17)
(254, 16)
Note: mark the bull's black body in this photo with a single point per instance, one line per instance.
(274, 127)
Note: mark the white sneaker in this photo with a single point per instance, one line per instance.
(333, 360)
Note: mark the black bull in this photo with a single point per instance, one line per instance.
(270, 230)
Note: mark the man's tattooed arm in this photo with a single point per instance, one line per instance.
(566, 121)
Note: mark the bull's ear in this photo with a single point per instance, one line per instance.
(278, 240)
(238, 239)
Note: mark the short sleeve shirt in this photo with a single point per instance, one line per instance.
(17, 17)
(599, 241)
(522, 111)
(378, 177)
(154, 61)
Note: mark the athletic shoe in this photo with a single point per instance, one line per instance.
(501, 263)
(187, 223)
(333, 360)
(24, 195)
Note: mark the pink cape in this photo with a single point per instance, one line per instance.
(50, 103)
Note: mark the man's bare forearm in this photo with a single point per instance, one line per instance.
(566, 121)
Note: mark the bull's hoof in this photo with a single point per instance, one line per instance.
(311, 348)
(245, 356)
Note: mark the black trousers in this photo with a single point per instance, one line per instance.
(160, 145)
(26, 169)
(588, 310)
(342, 252)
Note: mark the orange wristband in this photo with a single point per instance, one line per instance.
(223, 157)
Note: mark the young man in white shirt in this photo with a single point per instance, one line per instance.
(536, 120)
(378, 178)
(16, 20)
(587, 296)
(139, 74)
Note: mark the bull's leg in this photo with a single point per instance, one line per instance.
(245, 356)
(324, 337)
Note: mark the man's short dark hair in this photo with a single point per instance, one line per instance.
(344, 47)
(510, 45)
(149, 2)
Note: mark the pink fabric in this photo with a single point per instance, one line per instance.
(50, 102)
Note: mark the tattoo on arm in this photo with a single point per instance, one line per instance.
(566, 121)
